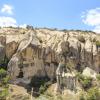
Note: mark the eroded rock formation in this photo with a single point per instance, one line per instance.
(37, 52)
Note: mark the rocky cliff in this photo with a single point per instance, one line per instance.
(48, 52)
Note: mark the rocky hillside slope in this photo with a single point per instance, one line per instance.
(43, 52)
(41, 49)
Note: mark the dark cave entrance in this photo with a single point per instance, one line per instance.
(20, 74)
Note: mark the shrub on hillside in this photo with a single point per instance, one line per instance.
(4, 93)
(3, 84)
(98, 77)
(98, 43)
(85, 81)
(2, 73)
(93, 94)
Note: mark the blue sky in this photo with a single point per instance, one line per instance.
(61, 14)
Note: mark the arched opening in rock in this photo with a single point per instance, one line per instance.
(20, 74)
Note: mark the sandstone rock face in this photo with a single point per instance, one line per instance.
(2, 47)
(2, 53)
(18, 93)
(38, 51)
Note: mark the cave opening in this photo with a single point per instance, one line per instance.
(20, 74)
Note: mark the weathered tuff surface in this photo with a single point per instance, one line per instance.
(38, 52)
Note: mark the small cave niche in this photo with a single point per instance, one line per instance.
(20, 74)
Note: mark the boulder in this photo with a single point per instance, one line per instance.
(89, 72)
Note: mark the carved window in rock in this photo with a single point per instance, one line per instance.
(20, 74)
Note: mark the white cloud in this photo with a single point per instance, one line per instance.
(7, 21)
(97, 29)
(10, 21)
(23, 25)
(7, 9)
(92, 18)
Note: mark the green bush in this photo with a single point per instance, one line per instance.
(79, 76)
(93, 94)
(42, 89)
(2, 73)
(5, 80)
(4, 93)
(98, 77)
(82, 97)
(97, 43)
(3, 84)
(85, 81)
